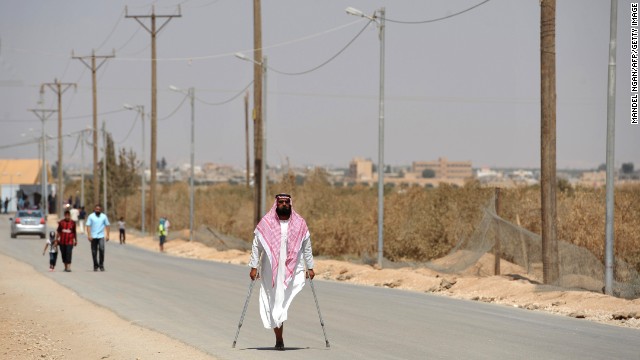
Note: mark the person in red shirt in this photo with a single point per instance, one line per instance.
(66, 237)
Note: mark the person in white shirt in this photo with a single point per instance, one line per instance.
(283, 236)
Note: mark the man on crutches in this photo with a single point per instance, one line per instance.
(283, 236)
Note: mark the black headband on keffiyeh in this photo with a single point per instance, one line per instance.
(269, 230)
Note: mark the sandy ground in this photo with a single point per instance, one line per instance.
(30, 330)
(514, 289)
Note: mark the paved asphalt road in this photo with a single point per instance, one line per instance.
(200, 302)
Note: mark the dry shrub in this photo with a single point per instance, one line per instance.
(581, 218)
(420, 224)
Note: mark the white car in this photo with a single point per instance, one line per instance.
(28, 222)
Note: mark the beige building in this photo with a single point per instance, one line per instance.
(22, 174)
(450, 172)
(361, 170)
(445, 169)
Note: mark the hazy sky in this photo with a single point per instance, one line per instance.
(466, 87)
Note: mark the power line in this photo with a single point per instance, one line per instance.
(304, 38)
(228, 100)
(130, 130)
(205, 57)
(436, 19)
(175, 110)
(104, 113)
(326, 62)
(128, 41)
(112, 31)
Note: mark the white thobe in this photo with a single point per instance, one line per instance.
(275, 299)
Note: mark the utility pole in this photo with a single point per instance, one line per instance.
(609, 261)
(257, 109)
(44, 115)
(246, 131)
(59, 88)
(104, 166)
(94, 68)
(83, 168)
(153, 31)
(550, 262)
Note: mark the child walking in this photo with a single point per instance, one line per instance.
(121, 226)
(52, 244)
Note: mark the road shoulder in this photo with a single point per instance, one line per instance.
(40, 318)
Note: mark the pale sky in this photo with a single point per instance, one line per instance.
(465, 88)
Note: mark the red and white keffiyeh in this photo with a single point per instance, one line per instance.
(269, 230)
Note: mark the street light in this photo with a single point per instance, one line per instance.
(191, 93)
(263, 173)
(140, 110)
(82, 134)
(379, 18)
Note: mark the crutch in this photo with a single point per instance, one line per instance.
(246, 303)
(313, 290)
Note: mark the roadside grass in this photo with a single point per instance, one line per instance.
(420, 224)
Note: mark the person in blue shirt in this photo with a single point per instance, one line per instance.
(97, 232)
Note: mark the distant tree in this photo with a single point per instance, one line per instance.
(428, 174)
(54, 170)
(627, 168)
(122, 178)
(602, 167)
(162, 164)
(564, 186)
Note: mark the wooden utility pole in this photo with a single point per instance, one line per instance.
(550, 261)
(246, 131)
(59, 88)
(153, 31)
(94, 68)
(257, 108)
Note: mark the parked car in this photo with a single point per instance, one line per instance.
(28, 222)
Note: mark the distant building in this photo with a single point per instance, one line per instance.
(445, 169)
(450, 172)
(23, 176)
(360, 170)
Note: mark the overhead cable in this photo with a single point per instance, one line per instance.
(437, 19)
(326, 62)
(176, 109)
(228, 100)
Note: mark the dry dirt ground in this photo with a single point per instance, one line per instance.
(30, 329)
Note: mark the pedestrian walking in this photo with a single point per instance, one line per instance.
(82, 216)
(67, 239)
(283, 236)
(75, 214)
(121, 226)
(6, 204)
(53, 250)
(97, 233)
(162, 232)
